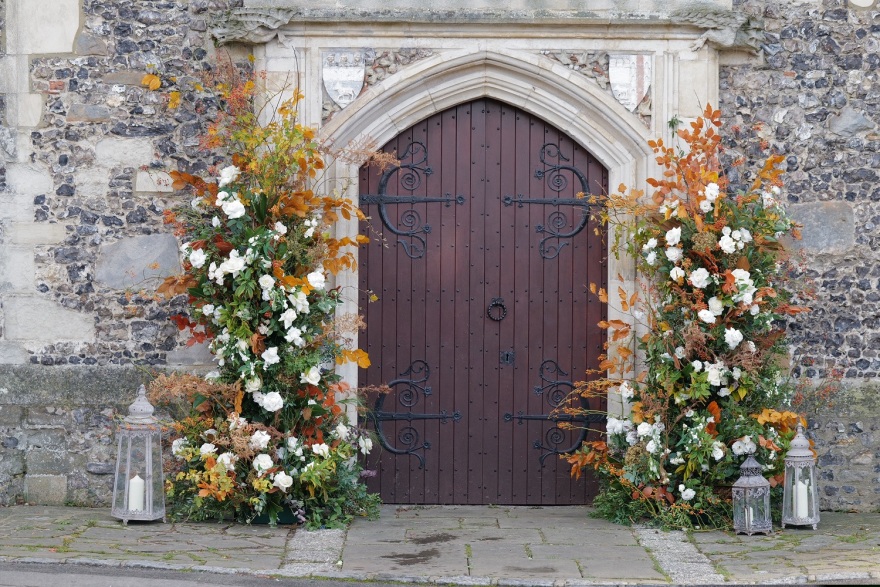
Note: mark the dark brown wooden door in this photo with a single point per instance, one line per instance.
(481, 258)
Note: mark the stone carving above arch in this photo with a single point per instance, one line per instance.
(597, 66)
(380, 64)
(724, 29)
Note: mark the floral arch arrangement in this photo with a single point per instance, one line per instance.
(707, 323)
(267, 434)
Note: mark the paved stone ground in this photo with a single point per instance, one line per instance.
(464, 545)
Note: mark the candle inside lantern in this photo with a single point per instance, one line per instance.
(748, 513)
(801, 499)
(136, 493)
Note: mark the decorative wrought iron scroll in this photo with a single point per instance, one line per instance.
(410, 387)
(412, 226)
(555, 390)
(557, 221)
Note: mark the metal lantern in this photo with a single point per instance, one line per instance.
(138, 489)
(751, 500)
(800, 503)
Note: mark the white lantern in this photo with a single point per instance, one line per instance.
(751, 500)
(800, 503)
(138, 489)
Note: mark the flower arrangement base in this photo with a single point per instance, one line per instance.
(285, 518)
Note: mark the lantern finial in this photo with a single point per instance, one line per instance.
(141, 411)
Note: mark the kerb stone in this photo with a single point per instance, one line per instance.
(140, 261)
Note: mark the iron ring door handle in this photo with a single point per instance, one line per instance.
(496, 303)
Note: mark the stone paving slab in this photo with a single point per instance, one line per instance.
(464, 545)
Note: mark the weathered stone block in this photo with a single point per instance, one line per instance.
(12, 353)
(47, 27)
(29, 179)
(46, 462)
(34, 233)
(829, 227)
(47, 439)
(11, 463)
(16, 270)
(45, 489)
(140, 261)
(11, 416)
(88, 113)
(117, 152)
(152, 181)
(35, 319)
(124, 77)
(197, 354)
(849, 122)
(88, 44)
(100, 468)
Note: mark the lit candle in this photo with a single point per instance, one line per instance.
(801, 500)
(136, 494)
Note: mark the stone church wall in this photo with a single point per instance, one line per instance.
(85, 155)
(815, 96)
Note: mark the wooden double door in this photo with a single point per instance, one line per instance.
(479, 318)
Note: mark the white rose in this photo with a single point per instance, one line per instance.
(270, 355)
(644, 429)
(266, 281)
(732, 337)
(626, 392)
(751, 346)
(717, 450)
(215, 222)
(228, 175)
(312, 376)
(673, 236)
(686, 494)
(652, 243)
(706, 206)
(287, 317)
(280, 228)
(727, 244)
(252, 385)
(259, 440)
(365, 444)
(262, 463)
(292, 443)
(283, 481)
(715, 373)
(294, 335)
(228, 459)
(674, 254)
(272, 401)
(322, 450)
(744, 235)
(316, 279)
(178, 445)
(676, 274)
(680, 352)
(712, 191)
(233, 208)
(651, 258)
(697, 365)
(651, 447)
(700, 278)
(197, 258)
(207, 449)
(706, 316)
(341, 431)
(724, 392)
(614, 426)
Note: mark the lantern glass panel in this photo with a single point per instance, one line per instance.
(799, 503)
(155, 483)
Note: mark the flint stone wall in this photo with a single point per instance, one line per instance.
(814, 95)
(85, 152)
